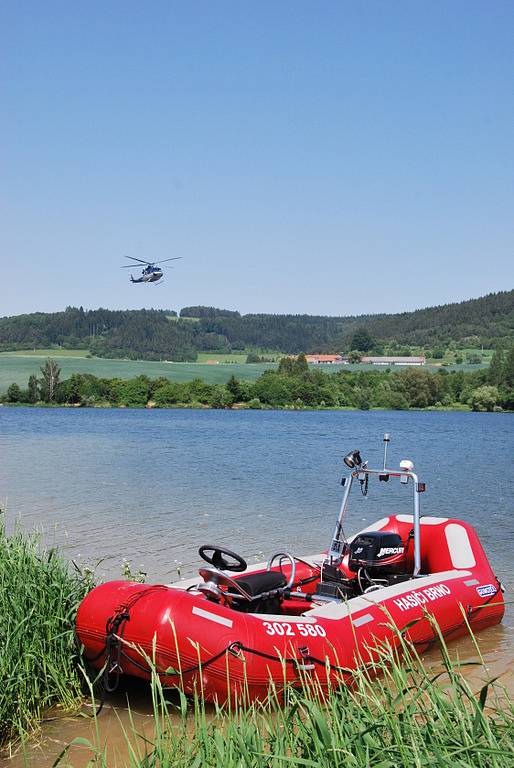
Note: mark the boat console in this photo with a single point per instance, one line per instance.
(352, 567)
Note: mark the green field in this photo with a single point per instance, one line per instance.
(220, 357)
(56, 352)
(18, 366)
(449, 358)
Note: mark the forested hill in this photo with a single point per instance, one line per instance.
(160, 334)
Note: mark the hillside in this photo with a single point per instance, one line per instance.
(160, 334)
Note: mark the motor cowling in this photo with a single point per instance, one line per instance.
(378, 552)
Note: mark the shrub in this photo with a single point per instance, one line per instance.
(168, 394)
(484, 398)
(396, 401)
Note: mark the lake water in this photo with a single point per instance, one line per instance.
(152, 486)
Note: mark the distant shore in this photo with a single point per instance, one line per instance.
(245, 407)
(293, 385)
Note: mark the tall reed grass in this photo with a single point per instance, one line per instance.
(38, 661)
(397, 714)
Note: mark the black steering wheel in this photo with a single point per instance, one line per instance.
(236, 564)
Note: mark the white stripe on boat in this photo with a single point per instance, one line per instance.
(212, 616)
(423, 521)
(471, 582)
(337, 611)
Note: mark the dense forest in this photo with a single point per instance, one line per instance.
(292, 385)
(161, 334)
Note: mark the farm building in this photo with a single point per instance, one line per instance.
(394, 360)
(330, 359)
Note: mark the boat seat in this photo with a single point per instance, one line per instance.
(257, 583)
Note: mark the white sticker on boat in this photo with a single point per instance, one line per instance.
(487, 590)
(360, 620)
(421, 596)
(212, 616)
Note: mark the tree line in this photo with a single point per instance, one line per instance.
(160, 334)
(292, 385)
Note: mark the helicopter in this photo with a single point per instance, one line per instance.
(151, 273)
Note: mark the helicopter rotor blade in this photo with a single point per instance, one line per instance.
(142, 261)
(174, 258)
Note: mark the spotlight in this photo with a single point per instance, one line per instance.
(405, 466)
(353, 459)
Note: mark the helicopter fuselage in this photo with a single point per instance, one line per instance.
(148, 276)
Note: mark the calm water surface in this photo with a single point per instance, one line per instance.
(152, 486)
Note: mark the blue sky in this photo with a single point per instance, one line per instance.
(320, 157)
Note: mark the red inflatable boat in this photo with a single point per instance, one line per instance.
(235, 629)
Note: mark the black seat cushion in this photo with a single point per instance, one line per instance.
(257, 583)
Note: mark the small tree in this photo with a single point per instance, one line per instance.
(33, 389)
(496, 372)
(234, 388)
(14, 394)
(354, 356)
(509, 368)
(51, 378)
(301, 364)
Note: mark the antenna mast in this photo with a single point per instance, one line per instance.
(386, 443)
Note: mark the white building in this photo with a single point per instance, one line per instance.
(394, 360)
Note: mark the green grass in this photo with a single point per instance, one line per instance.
(38, 661)
(176, 319)
(396, 714)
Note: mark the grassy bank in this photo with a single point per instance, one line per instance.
(38, 663)
(397, 714)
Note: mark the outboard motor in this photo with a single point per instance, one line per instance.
(378, 552)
